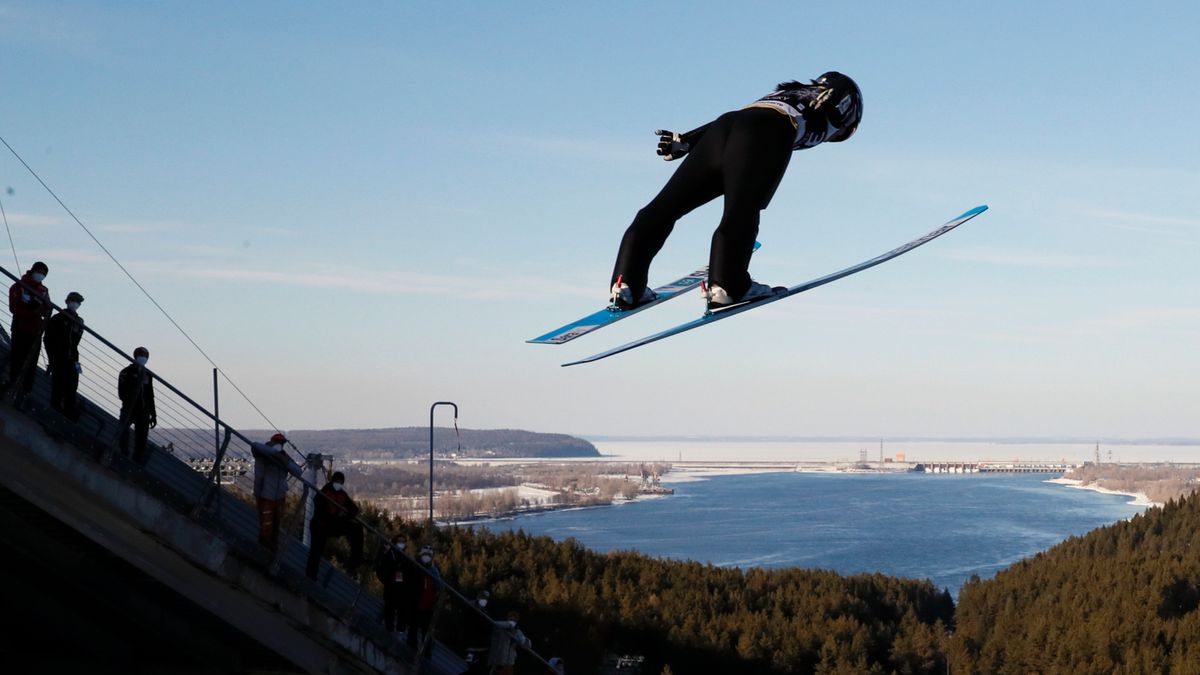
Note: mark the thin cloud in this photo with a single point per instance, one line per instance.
(387, 282)
(918, 321)
(1012, 257)
(60, 30)
(1156, 319)
(133, 228)
(1129, 217)
(454, 210)
(227, 251)
(840, 312)
(1177, 229)
(269, 229)
(54, 256)
(577, 148)
(34, 220)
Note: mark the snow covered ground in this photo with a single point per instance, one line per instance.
(1139, 498)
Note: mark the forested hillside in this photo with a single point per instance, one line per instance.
(1122, 599)
(694, 617)
(402, 442)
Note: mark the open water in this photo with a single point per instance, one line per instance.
(941, 527)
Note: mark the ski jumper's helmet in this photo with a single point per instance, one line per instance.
(841, 100)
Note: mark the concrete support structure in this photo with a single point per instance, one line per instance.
(101, 554)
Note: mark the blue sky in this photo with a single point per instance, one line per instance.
(359, 209)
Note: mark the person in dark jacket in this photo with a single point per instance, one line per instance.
(398, 574)
(333, 516)
(271, 469)
(135, 388)
(63, 332)
(478, 628)
(29, 302)
(426, 600)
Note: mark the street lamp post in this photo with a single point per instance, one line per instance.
(455, 406)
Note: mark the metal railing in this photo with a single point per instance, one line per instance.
(210, 477)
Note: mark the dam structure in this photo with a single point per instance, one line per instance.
(155, 566)
(888, 466)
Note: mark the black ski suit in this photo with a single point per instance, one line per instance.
(742, 155)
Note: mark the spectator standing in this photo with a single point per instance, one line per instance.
(333, 516)
(429, 588)
(399, 575)
(29, 302)
(135, 388)
(271, 469)
(63, 332)
(506, 642)
(478, 635)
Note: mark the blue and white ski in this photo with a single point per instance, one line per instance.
(800, 288)
(611, 315)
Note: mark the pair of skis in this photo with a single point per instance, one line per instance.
(611, 314)
(686, 283)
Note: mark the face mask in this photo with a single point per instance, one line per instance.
(141, 360)
(38, 277)
(426, 559)
(483, 603)
(73, 306)
(399, 548)
(337, 486)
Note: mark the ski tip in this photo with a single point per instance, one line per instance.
(547, 339)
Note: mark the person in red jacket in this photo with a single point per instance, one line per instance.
(334, 516)
(429, 587)
(29, 302)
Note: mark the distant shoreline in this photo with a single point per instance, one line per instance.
(933, 452)
(1139, 498)
(688, 475)
(545, 508)
(892, 440)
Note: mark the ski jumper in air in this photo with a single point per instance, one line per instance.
(742, 155)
